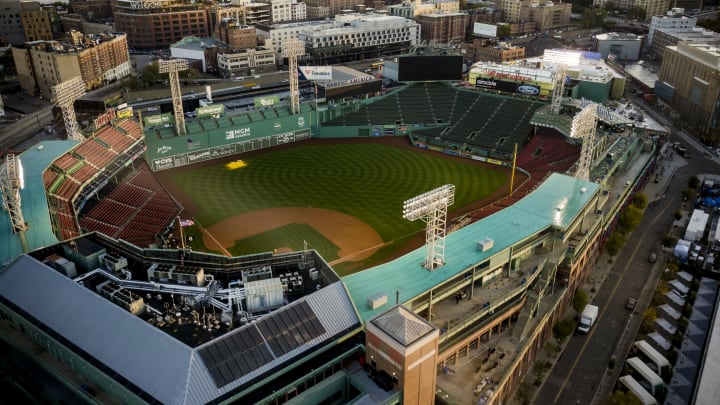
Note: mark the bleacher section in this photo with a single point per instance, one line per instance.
(136, 210)
(77, 175)
(453, 117)
(547, 152)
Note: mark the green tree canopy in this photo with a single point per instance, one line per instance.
(615, 243)
(640, 200)
(503, 31)
(694, 182)
(580, 300)
(623, 398)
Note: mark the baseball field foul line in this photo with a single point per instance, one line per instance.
(205, 231)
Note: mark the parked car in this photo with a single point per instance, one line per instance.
(630, 304)
(653, 257)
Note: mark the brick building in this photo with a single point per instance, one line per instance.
(236, 35)
(443, 27)
(98, 59)
(159, 23)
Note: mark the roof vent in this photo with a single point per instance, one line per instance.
(376, 300)
(485, 244)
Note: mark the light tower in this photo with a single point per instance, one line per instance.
(172, 67)
(291, 50)
(558, 90)
(11, 182)
(584, 125)
(431, 207)
(64, 95)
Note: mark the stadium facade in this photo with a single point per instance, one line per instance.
(275, 328)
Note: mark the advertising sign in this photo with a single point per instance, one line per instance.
(104, 118)
(159, 119)
(528, 90)
(485, 30)
(494, 84)
(316, 72)
(125, 112)
(215, 109)
(266, 101)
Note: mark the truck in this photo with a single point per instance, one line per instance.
(587, 318)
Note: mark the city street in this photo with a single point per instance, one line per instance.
(578, 372)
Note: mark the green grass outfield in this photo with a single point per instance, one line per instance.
(365, 180)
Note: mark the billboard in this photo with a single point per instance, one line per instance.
(125, 112)
(533, 89)
(494, 84)
(159, 119)
(315, 72)
(485, 30)
(266, 101)
(215, 109)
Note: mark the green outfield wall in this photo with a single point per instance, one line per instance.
(215, 138)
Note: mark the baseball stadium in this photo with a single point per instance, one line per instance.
(272, 257)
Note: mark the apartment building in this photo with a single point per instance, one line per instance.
(443, 27)
(651, 7)
(665, 38)
(502, 52)
(97, 58)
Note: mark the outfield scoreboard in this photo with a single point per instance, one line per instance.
(510, 79)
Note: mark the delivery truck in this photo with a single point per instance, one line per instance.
(587, 318)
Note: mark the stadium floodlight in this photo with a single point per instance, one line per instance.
(584, 125)
(64, 95)
(431, 207)
(11, 182)
(172, 67)
(291, 50)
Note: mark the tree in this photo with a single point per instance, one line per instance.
(640, 200)
(593, 18)
(678, 215)
(688, 194)
(609, 6)
(630, 219)
(563, 329)
(615, 243)
(694, 182)
(623, 398)
(503, 31)
(151, 74)
(580, 300)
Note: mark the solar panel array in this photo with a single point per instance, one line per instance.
(235, 355)
(240, 352)
(287, 329)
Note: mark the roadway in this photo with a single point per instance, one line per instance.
(578, 373)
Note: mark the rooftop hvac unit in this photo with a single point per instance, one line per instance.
(485, 244)
(260, 273)
(377, 300)
(314, 273)
(263, 295)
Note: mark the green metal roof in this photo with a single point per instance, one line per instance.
(33, 200)
(555, 203)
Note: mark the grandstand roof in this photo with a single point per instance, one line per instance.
(555, 203)
(163, 368)
(34, 202)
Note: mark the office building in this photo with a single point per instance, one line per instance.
(689, 81)
(673, 20)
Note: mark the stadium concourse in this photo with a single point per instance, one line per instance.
(272, 327)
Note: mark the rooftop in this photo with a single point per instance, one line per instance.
(555, 203)
(198, 44)
(403, 326)
(34, 202)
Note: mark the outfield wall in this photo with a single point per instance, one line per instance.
(223, 137)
